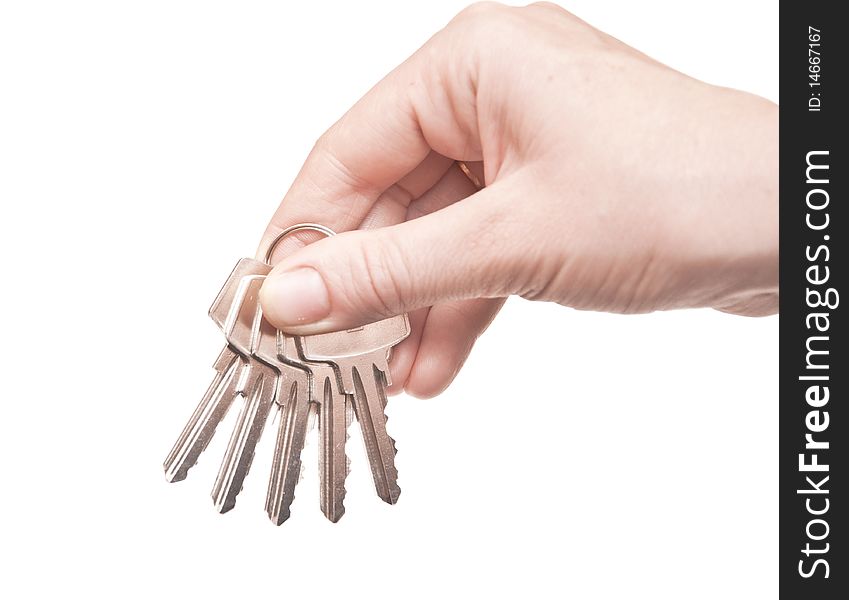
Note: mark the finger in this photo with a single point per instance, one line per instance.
(453, 186)
(392, 206)
(404, 354)
(389, 208)
(449, 335)
(382, 138)
(466, 250)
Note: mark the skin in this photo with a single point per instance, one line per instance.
(612, 183)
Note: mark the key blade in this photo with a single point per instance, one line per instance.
(209, 413)
(294, 394)
(291, 437)
(259, 397)
(333, 432)
(369, 403)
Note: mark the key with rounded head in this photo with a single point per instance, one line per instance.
(228, 382)
(360, 357)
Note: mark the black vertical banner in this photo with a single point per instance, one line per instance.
(814, 433)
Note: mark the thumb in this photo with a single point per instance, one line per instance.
(466, 250)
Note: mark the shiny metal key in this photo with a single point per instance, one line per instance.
(334, 417)
(292, 394)
(360, 357)
(229, 381)
(258, 388)
(208, 414)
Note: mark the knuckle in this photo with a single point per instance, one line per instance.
(482, 20)
(331, 165)
(322, 144)
(549, 12)
(549, 6)
(481, 8)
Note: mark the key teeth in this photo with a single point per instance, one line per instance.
(395, 492)
(182, 474)
(331, 516)
(347, 439)
(280, 518)
(335, 518)
(348, 422)
(391, 439)
(279, 512)
(176, 476)
(225, 504)
(225, 365)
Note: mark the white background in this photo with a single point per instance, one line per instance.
(143, 146)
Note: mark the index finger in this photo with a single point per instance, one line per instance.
(384, 137)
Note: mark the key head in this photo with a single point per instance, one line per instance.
(274, 347)
(267, 344)
(265, 341)
(341, 345)
(235, 309)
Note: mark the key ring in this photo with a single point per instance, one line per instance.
(471, 176)
(290, 230)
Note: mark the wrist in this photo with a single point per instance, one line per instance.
(730, 257)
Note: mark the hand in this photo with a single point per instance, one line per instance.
(613, 183)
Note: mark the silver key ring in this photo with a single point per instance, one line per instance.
(290, 230)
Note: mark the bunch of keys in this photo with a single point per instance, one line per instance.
(332, 375)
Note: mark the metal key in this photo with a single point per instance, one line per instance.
(227, 384)
(208, 414)
(259, 386)
(334, 417)
(292, 393)
(360, 357)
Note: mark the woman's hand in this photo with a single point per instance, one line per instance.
(613, 183)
